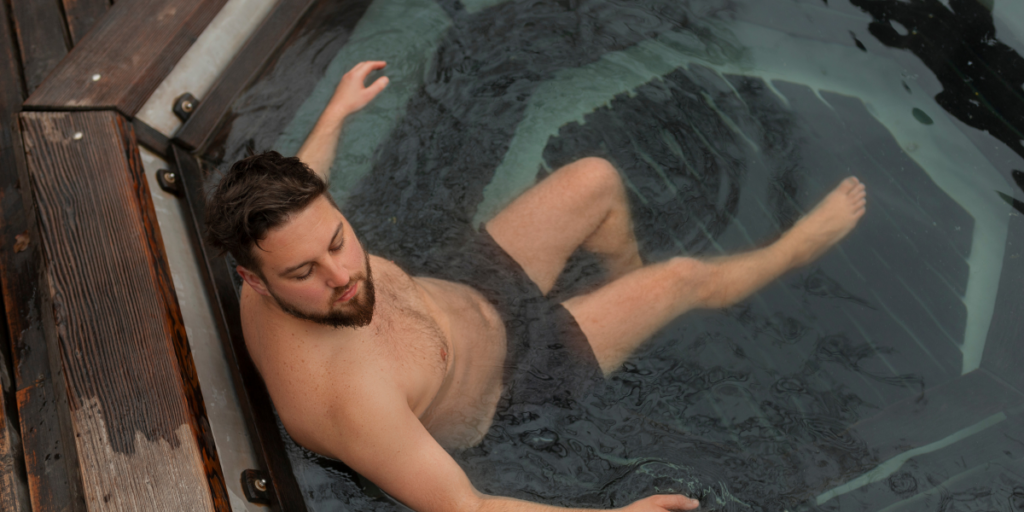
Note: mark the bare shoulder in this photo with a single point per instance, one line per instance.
(337, 404)
(304, 366)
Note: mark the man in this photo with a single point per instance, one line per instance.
(385, 371)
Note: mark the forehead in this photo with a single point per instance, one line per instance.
(303, 236)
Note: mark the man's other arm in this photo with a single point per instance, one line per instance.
(378, 436)
(351, 95)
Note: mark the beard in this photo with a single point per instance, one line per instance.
(358, 312)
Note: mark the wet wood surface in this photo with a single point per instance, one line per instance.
(123, 59)
(39, 416)
(249, 61)
(13, 483)
(41, 37)
(142, 439)
(82, 15)
(253, 396)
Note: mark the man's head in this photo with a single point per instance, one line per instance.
(292, 245)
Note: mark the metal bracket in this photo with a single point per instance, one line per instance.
(169, 181)
(185, 105)
(256, 485)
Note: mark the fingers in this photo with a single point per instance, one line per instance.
(674, 502)
(378, 85)
(363, 69)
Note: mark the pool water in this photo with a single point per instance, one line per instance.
(883, 376)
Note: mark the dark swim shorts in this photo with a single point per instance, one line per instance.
(549, 359)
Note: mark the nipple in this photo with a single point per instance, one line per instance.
(444, 355)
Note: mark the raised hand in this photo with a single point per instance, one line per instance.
(352, 93)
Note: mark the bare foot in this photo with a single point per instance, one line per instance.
(827, 223)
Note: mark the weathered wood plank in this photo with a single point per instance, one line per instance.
(253, 395)
(82, 15)
(13, 482)
(62, 489)
(46, 439)
(240, 72)
(41, 37)
(179, 341)
(123, 59)
(142, 444)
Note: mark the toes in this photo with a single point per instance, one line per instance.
(849, 183)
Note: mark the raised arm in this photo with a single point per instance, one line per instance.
(383, 440)
(351, 95)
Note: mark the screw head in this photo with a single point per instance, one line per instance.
(78, 136)
(260, 484)
(96, 77)
(170, 177)
(187, 106)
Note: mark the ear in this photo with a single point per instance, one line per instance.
(255, 281)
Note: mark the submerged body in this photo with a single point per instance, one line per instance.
(386, 371)
(438, 344)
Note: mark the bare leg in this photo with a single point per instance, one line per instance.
(622, 314)
(580, 205)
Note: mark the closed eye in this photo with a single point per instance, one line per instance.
(340, 235)
(305, 276)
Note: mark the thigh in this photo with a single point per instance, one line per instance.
(543, 227)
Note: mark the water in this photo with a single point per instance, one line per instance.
(882, 375)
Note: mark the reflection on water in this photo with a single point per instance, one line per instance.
(856, 383)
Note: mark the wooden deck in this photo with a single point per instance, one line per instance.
(101, 408)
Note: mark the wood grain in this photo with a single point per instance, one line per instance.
(253, 396)
(40, 28)
(62, 488)
(134, 400)
(47, 443)
(13, 483)
(82, 15)
(131, 49)
(251, 58)
(175, 324)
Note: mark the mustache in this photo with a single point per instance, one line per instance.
(338, 292)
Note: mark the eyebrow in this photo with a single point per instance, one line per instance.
(289, 270)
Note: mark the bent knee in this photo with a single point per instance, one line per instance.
(599, 176)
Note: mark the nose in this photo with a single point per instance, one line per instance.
(337, 275)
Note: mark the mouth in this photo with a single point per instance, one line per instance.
(345, 297)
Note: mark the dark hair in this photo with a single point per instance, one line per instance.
(258, 194)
